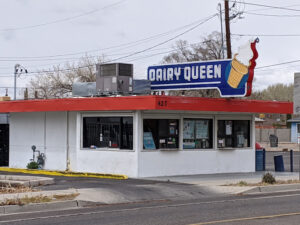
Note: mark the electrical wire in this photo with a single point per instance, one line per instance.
(129, 55)
(267, 35)
(267, 6)
(273, 15)
(129, 44)
(61, 20)
(278, 64)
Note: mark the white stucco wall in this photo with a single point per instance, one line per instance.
(106, 160)
(45, 130)
(167, 163)
(188, 162)
(48, 131)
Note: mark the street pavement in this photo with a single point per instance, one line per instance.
(107, 191)
(279, 208)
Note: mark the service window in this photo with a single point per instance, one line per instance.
(108, 132)
(197, 133)
(161, 133)
(233, 133)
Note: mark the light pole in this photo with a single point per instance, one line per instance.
(18, 71)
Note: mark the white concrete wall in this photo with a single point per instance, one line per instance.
(106, 160)
(188, 162)
(46, 130)
(167, 163)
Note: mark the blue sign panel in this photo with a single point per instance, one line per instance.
(228, 76)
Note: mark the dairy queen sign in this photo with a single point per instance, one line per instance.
(232, 77)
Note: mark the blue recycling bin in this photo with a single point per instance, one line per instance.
(259, 160)
(278, 162)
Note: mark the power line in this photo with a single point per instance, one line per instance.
(61, 20)
(267, 35)
(132, 54)
(272, 15)
(129, 44)
(94, 56)
(278, 64)
(267, 6)
(168, 40)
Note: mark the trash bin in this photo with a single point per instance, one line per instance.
(278, 162)
(273, 140)
(259, 160)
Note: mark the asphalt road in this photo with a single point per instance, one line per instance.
(286, 160)
(275, 209)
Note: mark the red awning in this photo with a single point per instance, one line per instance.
(152, 102)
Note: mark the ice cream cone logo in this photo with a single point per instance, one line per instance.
(241, 64)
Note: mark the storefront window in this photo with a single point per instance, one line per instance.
(160, 133)
(108, 132)
(197, 133)
(233, 133)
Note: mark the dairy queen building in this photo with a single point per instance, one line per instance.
(148, 134)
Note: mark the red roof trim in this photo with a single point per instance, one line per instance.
(147, 103)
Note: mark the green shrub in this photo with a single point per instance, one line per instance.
(242, 183)
(32, 165)
(268, 178)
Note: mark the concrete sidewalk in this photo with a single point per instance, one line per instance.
(217, 182)
(226, 178)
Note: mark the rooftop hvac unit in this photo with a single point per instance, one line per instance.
(114, 78)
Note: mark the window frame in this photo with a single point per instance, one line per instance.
(194, 117)
(238, 118)
(163, 149)
(106, 114)
(146, 115)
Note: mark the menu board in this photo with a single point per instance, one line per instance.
(201, 129)
(189, 129)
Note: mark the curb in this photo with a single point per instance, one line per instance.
(273, 188)
(65, 173)
(34, 207)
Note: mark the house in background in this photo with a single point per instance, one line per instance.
(295, 130)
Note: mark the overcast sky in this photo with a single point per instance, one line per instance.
(54, 32)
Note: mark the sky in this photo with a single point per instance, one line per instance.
(40, 34)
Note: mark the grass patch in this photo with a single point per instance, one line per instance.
(8, 189)
(65, 197)
(245, 184)
(26, 200)
(242, 183)
(38, 199)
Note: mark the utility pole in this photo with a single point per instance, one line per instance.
(222, 36)
(18, 71)
(227, 25)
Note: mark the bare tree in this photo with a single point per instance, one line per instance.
(58, 82)
(210, 48)
(278, 92)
